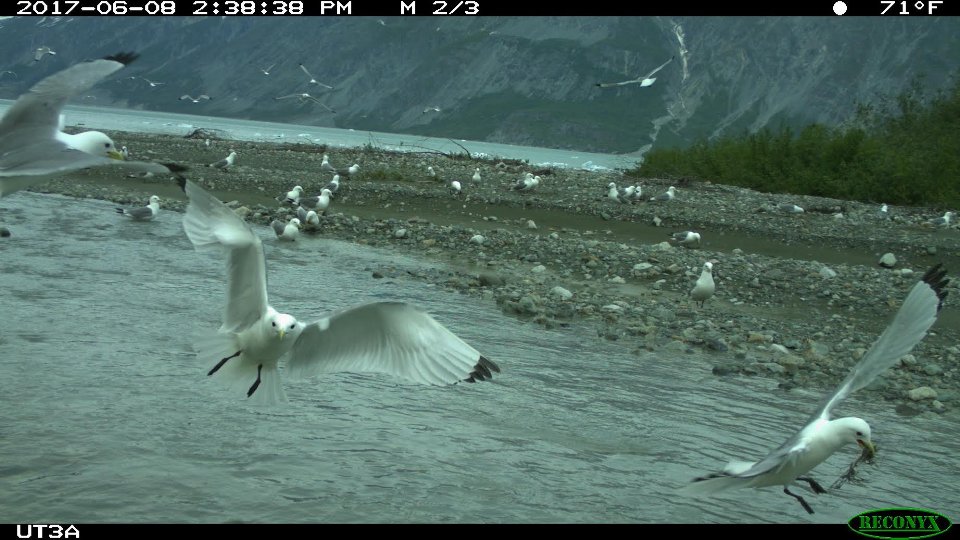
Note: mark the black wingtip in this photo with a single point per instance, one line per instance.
(937, 280)
(120, 210)
(124, 58)
(176, 168)
(483, 370)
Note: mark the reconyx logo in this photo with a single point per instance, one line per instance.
(899, 523)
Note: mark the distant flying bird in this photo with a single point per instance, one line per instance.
(645, 80)
(38, 54)
(428, 109)
(381, 23)
(266, 71)
(313, 80)
(303, 98)
(153, 84)
(197, 99)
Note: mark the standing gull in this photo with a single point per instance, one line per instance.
(325, 166)
(320, 203)
(313, 80)
(334, 185)
(476, 176)
(705, 286)
(941, 221)
(142, 213)
(32, 147)
(292, 196)
(393, 338)
(821, 437)
(226, 162)
(309, 219)
(645, 80)
(528, 183)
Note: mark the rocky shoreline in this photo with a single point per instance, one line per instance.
(799, 297)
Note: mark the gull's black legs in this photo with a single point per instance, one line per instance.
(799, 498)
(257, 383)
(222, 362)
(814, 485)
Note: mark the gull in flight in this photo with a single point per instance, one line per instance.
(821, 437)
(429, 109)
(313, 79)
(266, 71)
(41, 51)
(152, 83)
(645, 80)
(32, 147)
(303, 98)
(197, 99)
(393, 338)
(142, 213)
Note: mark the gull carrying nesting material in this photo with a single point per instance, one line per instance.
(821, 437)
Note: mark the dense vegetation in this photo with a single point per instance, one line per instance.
(904, 150)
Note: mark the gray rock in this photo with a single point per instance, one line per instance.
(921, 393)
(889, 260)
(400, 233)
(640, 267)
(4, 232)
(490, 280)
(663, 314)
(531, 224)
(932, 369)
(827, 273)
(561, 293)
(538, 269)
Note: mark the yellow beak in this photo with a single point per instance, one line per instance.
(113, 154)
(871, 449)
(282, 333)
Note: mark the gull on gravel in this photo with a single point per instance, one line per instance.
(705, 287)
(941, 221)
(226, 162)
(665, 197)
(686, 238)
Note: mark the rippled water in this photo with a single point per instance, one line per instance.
(105, 414)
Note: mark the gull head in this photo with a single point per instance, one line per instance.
(283, 325)
(154, 199)
(855, 430)
(296, 223)
(326, 192)
(708, 268)
(94, 143)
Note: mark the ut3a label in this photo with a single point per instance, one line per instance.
(47, 531)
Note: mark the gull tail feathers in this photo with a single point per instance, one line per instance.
(713, 483)
(218, 353)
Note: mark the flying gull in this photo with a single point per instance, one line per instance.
(393, 338)
(32, 147)
(304, 97)
(313, 80)
(198, 99)
(821, 437)
(266, 71)
(645, 80)
(152, 83)
(41, 51)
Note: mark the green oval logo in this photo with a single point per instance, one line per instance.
(888, 523)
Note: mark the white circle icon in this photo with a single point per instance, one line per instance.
(839, 8)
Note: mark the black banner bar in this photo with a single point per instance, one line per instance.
(480, 8)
